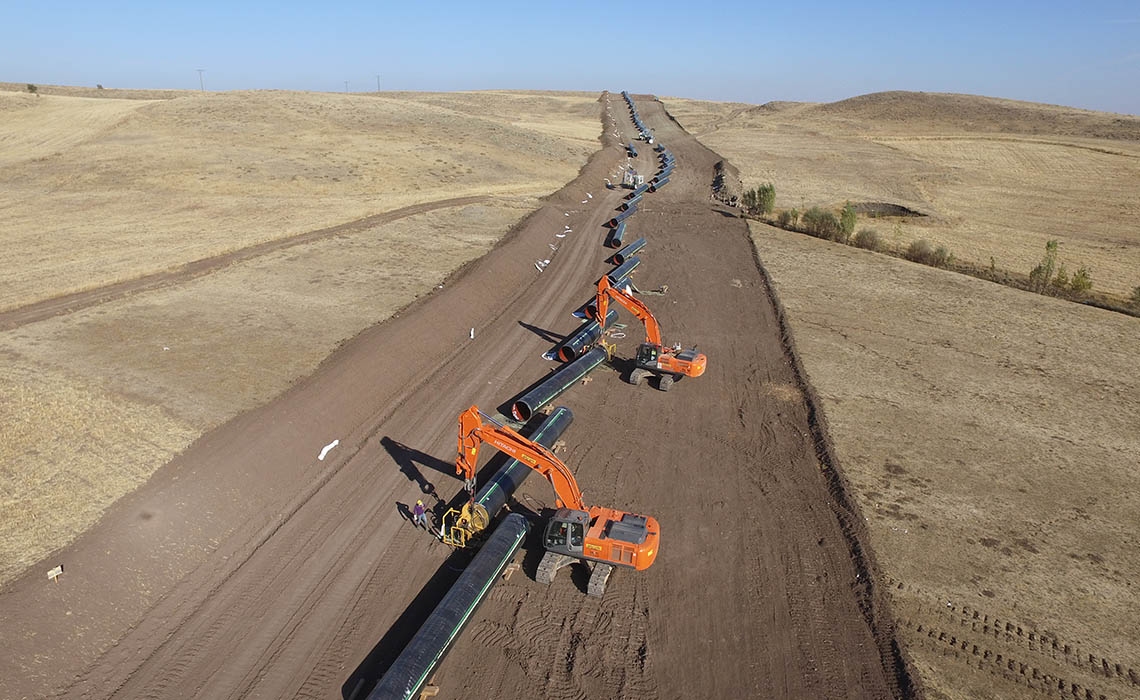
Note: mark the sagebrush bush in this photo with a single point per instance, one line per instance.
(821, 224)
(784, 220)
(923, 251)
(867, 239)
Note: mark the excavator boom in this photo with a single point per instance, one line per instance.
(603, 537)
(631, 304)
(473, 432)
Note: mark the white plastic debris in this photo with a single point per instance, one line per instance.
(326, 449)
(549, 355)
(472, 334)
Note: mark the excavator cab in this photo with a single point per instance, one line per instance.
(566, 532)
(647, 354)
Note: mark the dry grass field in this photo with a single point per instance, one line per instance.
(97, 190)
(990, 437)
(995, 178)
(989, 434)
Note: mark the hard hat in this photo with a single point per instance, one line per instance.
(419, 503)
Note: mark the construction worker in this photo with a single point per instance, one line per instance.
(419, 515)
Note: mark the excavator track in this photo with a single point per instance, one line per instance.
(598, 578)
(549, 566)
(638, 376)
(665, 382)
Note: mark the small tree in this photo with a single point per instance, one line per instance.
(1061, 280)
(766, 198)
(795, 217)
(1082, 280)
(1041, 275)
(33, 89)
(847, 220)
(784, 220)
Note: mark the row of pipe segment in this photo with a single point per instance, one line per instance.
(408, 675)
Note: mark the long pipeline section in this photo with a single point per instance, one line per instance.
(414, 667)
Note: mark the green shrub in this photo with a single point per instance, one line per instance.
(795, 217)
(766, 198)
(32, 88)
(1040, 276)
(784, 220)
(1082, 280)
(847, 220)
(1134, 300)
(922, 251)
(868, 239)
(821, 224)
(1061, 279)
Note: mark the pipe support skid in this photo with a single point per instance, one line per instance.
(494, 494)
(627, 252)
(564, 378)
(616, 235)
(415, 665)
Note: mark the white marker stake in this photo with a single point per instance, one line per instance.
(328, 447)
(472, 334)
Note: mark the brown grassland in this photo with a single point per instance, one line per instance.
(99, 187)
(989, 434)
(995, 178)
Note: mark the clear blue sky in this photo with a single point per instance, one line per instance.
(1084, 54)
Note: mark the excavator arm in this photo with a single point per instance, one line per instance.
(476, 429)
(631, 304)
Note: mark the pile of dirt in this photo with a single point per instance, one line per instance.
(727, 185)
(975, 113)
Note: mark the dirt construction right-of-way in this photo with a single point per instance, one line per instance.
(249, 568)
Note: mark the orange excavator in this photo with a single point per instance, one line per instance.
(601, 538)
(653, 358)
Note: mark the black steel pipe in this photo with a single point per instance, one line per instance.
(640, 189)
(562, 379)
(622, 271)
(510, 476)
(411, 670)
(659, 184)
(632, 202)
(627, 252)
(618, 218)
(576, 344)
(616, 235)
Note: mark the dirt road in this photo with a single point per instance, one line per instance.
(248, 567)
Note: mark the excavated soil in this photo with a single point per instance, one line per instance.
(248, 567)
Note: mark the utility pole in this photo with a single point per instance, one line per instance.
(201, 81)
(346, 86)
(377, 82)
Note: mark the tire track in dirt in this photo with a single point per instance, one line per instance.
(1008, 649)
(68, 303)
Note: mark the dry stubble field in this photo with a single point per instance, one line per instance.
(989, 434)
(103, 187)
(996, 178)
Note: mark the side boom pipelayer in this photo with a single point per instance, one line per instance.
(599, 537)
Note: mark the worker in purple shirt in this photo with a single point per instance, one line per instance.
(419, 515)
